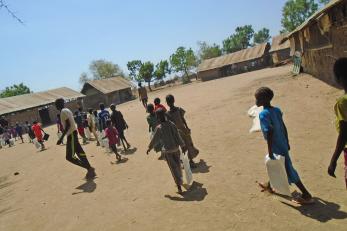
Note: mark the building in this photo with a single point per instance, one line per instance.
(249, 59)
(280, 52)
(321, 40)
(38, 106)
(115, 90)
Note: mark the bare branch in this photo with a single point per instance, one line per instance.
(5, 6)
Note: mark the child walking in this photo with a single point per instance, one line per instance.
(340, 71)
(92, 125)
(113, 138)
(167, 134)
(119, 123)
(38, 134)
(74, 151)
(158, 105)
(176, 115)
(276, 135)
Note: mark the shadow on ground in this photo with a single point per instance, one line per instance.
(322, 210)
(129, 151)
(195, 193)
(87, 187)
(201, 167)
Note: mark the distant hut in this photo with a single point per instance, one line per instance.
(249, 59)
(38, 106)
(321, 40)
(280, 52)
(115, 90)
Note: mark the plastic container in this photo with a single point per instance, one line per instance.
(187, 170)
(277, 174)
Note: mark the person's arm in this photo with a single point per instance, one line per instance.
(154, 140)
(184, 120)
(340, 145)
(67, 127)
(286, 134)
(126, 125)
(269, 143)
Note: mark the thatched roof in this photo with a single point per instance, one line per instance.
(108, 85)
(232, 58)
(313, 18)
(277, 45)
(32, 100)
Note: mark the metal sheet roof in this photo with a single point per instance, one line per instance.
(108, 85)
(313, 17)
(232, 58)
(32, 100)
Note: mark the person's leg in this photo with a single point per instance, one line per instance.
(71, 150)
(173, 161)
(21, 137)
(114, 149)
(122, 137)
(42, 144)
(96, 137)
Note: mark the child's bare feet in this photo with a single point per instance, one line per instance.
(265, 187)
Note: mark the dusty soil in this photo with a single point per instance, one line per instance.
(50, 193)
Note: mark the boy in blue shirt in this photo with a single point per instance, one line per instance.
(276, 135)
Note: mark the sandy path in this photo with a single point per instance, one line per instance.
(50, 193)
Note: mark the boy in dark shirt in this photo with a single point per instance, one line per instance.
(120, 124)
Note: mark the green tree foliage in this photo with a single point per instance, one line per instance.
(207, 51)
(84, 78)
(262, 36)
(324, 2)
(295, 12)
(183, 60)
(14, 90)
(101, 69)
(161, 70)
(240, 40)
(146, 73)
(134, 69)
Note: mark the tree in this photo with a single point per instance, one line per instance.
(161, 69)
(14, 90)
(134, 69)
(295, 12)
(84, 78)
(146, 73)
(262, 36)
(324, 2)
(101, 69)
(207, 51)
(183, 60)
(239, 40)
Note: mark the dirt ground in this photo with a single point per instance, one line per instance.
(50, 193)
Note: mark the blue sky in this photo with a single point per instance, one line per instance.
(60, 38)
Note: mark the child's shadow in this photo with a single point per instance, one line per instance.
(123, 160)
(87, 187)
(201, 167)
(195, 193)
(322, 211)
(129, 151)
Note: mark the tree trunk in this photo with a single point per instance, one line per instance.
(149, 85)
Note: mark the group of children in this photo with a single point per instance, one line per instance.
(10, 134)
(169, 131)
(276, 135)
(102, 125)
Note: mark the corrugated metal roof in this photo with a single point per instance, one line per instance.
(32, 100)
(108, 85)
(232, 58)
(277, 45)
(313, 17)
